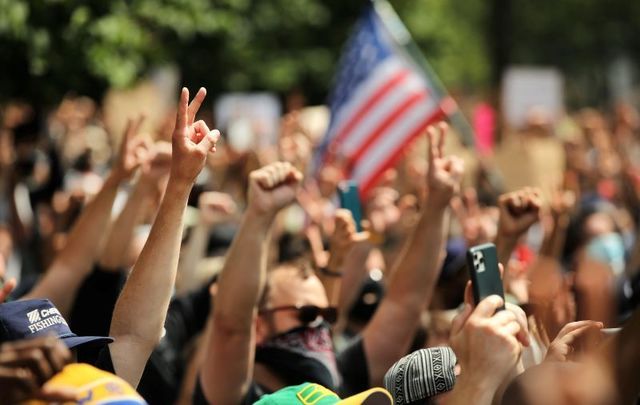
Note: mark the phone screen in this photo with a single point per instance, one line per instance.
(350, 200)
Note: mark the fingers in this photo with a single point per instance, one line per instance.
(488, 306)
(204, 138)
(275, 174)
(468, 294)
(7, 289)
(57, 394)
(193, 108)
(459, 321)
(444, 130)
(432, 136)
(521, 319)
(576, 331)
(182, 117)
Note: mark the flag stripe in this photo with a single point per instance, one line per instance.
(394, 117)
(396, 135)
(395, 80)
(369, 181)
(379, 113)
(366, 89)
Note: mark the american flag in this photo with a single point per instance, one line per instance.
(381, 101)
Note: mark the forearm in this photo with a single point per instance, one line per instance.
(75, 260)
(505, 246)
(228, 364)
(114, 254)
(244, 274)
(553, 245)
(410, 288)
(193, 252)
(142, 305)
(415, 276)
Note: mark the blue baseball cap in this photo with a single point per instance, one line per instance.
(30, 319)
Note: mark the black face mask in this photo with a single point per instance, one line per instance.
(300, 355)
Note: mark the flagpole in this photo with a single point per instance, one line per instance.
(402, 37)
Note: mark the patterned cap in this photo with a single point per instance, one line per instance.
(422, 374)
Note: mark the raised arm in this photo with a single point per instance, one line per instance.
(416, 272)
(140, 312)
(228, 366)
(214, 208)
(519, 210)
(70, 267)
(152, 178)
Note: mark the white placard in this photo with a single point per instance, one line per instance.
(524, 88)
(248, 119)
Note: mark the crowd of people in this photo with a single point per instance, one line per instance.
(165, 267)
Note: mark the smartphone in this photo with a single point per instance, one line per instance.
(482, 261)
(350, 200)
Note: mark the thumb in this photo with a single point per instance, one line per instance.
(488, 306)
(459, 321)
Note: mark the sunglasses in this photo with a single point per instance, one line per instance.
(306, 313)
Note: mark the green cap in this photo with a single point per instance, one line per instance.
(314, 394)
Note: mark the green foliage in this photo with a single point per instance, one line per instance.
(48, 47)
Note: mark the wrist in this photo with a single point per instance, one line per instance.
(481, 388)
(178, 188)
(259, 218)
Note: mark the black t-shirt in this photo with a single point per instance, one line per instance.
(352, 364)
(162, 377)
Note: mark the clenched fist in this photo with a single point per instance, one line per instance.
(273, 187)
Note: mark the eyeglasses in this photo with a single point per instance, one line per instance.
(306, 313)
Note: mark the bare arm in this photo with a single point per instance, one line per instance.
(214, 208)
(75, 260)
(414, 278)
(140, 311)
(518, 211)
(229, 360)
(154, 170)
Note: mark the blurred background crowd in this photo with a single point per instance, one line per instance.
(549, 89)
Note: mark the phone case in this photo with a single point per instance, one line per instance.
(482, 261)
(350, 199)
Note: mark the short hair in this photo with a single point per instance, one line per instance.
(303, 270)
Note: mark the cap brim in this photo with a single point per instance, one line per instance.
(75, 341)
(374, 396)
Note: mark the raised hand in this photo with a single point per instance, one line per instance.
(215, 207)
(273, 187)
(518, 211)
(156, 167)
(445, 172)
(132, 150)
(564, 344)
(485, 342)
(27, 364)
(343, 239)
(191, 141)
(478, 224)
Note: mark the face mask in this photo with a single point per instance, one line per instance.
(608, 249)
(303, 354)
